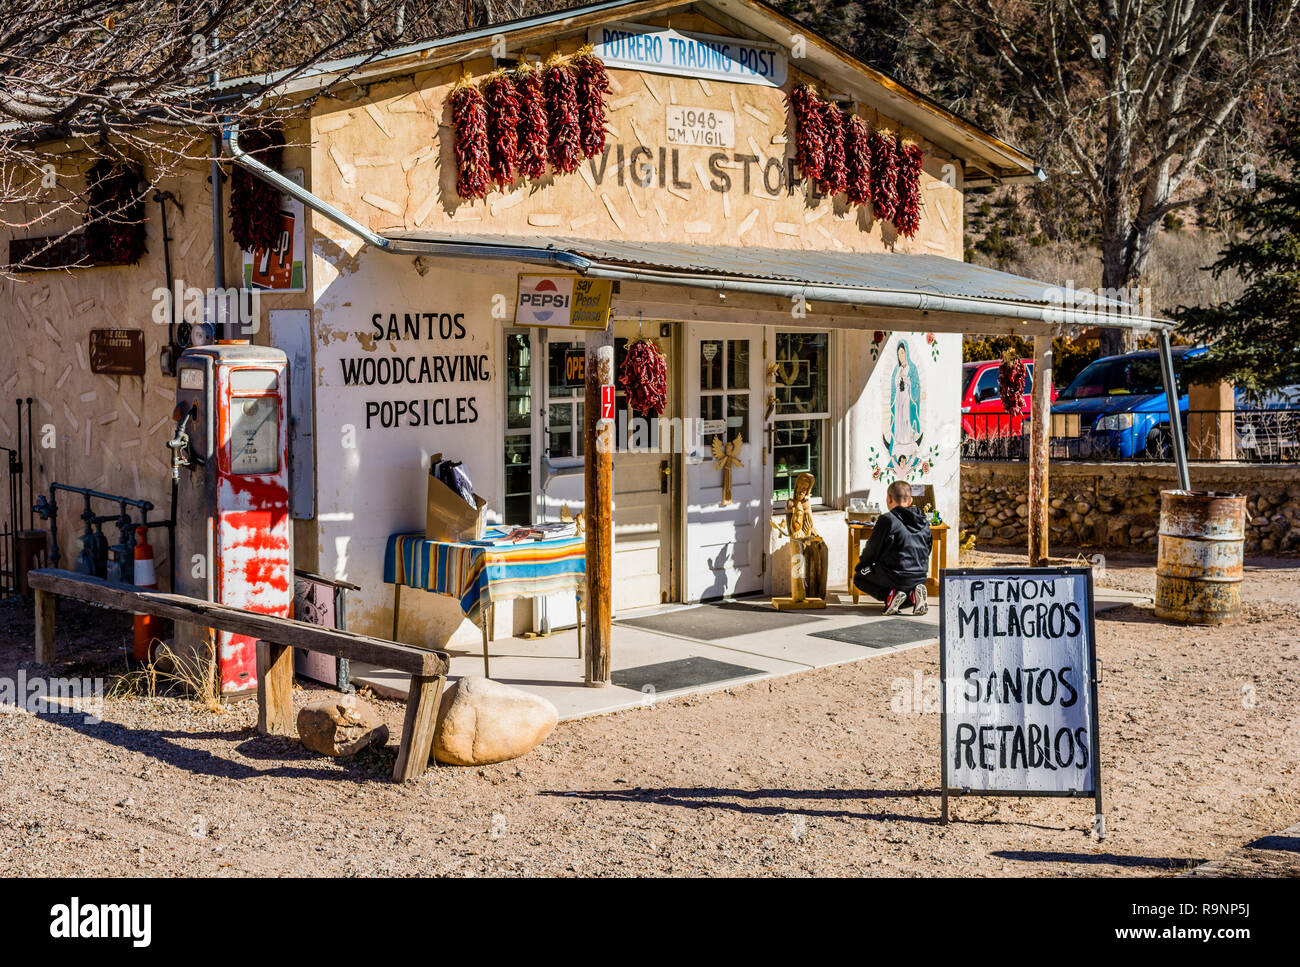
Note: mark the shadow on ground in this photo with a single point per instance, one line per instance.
(293, 760)
(752, 800)
(1097, 859)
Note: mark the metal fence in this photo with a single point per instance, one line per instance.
(15, 505)
(1260, 435)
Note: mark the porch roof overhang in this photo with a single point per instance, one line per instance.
(823, 289)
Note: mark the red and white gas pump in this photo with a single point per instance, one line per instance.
(234, 535)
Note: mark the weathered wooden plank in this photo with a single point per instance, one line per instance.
(284, 631)
(44, 626)
(274, 689)
(417, 727)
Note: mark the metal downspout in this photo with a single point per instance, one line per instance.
(1175, 418)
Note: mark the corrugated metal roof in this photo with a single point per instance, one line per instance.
(887, 271)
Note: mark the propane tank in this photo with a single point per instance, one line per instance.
(147, 626)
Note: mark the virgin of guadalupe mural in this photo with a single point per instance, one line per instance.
(906, 453)
(904, 440)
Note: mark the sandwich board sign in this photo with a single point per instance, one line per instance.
(1018, 671)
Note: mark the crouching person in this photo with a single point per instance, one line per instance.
(896, 561)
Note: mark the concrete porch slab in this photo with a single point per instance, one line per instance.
(550, 666)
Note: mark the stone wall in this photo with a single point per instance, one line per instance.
(1117, 505)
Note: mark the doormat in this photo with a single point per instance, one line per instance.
(882, 634)
(709, 622)
(671, 676)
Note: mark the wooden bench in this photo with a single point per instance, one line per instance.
(276, 639)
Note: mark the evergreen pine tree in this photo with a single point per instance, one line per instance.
(1255, 340)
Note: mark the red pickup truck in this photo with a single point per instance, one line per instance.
(982, 415)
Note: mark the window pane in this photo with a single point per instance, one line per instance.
(519, 383)
(801, 368)
(738, 364)
(711, 364)
(564, 423)
(738, 416)
(565, 369)
(519, 481)
(799, 448)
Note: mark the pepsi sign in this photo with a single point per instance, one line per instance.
(562, 301)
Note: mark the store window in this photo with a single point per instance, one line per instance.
(801, 419)
(566, 382)
(519, 428)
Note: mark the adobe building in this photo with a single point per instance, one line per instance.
(818, 336)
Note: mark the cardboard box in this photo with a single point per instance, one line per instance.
(447, 517)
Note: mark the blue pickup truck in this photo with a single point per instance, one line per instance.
(1119, 402)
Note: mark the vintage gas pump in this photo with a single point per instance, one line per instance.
(234, 536)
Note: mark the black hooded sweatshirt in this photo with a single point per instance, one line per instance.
(898, 550)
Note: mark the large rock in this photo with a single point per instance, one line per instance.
(340, 726)
(481, 721)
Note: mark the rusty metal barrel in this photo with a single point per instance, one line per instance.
(1200, 561)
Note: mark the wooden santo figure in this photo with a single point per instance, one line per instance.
(807, 550)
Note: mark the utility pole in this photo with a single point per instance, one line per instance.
(1039, 430)
(598, 504)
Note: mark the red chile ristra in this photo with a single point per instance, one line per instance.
(907, 214)
(255, 205)
(644, 377)
(503, 108)
(469, 112)
(857, 161)
(532, 122)
(593, 85)
(834, 177)
(884, 175)
(562, 116)
(810, 131)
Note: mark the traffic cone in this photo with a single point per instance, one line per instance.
(147, 626)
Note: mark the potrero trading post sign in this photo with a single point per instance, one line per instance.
(663, 50)
(1018, 668)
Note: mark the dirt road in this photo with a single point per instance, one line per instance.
(812, 774)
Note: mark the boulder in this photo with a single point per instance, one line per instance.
(340, 726)
(481, 721)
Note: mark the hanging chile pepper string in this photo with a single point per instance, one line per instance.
(115, 233)
(593, 85)
(255, 205)
(562, 115)
(469, 112)
(857, 160)
(644, 377)
(1011, 382)
(834, 178)
(503, 106)
(884, 175)
(532, 140)
(810, 131)
(907, 216)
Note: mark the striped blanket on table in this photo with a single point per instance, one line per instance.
(478, 573)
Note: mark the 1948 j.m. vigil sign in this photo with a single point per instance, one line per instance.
(1019, 684)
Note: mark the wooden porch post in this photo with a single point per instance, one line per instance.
(1039, 426)
(598, 506)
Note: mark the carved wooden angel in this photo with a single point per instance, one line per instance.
(726, 456)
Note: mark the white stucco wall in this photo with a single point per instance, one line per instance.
(372, 480)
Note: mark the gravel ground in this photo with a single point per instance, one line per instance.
(810, 774)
